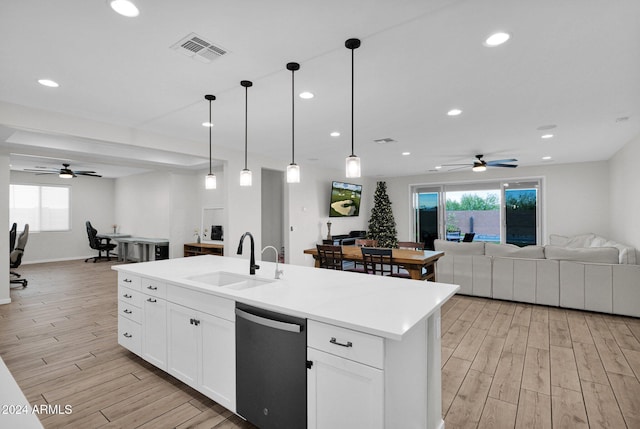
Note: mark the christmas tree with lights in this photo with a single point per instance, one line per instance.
(382, 225)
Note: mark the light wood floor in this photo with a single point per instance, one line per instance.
(58, 338)
(504, 365)
(507, 365)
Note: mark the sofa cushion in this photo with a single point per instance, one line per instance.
(602, 255)
(513, 251)
(456, 248)
(582, 240)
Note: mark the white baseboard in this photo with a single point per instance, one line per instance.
(5, 301)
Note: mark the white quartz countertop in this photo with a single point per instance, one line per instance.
(383, 306)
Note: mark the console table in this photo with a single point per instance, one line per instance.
(195, 249)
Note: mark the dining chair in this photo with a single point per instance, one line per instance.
(330, 256)
(410, 245)
(379, 261)
(365, 242)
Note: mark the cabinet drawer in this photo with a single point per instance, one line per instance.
(131, 312)
(127, 280)
(131, 296)
(154, 287)
(204, 302)
(354, 345)
(129, 335)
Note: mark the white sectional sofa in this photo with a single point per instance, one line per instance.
(604, 279)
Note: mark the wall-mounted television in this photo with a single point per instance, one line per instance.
(345, 199)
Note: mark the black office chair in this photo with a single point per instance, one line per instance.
(468, 237)
(15, 258)
(98, 244)
(13, 232)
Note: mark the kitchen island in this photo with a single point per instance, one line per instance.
(373, 343)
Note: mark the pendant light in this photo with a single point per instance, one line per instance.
(352, 162)
(293, 169)
(210, 180)
(245, 174)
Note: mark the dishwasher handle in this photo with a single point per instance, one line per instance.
(276, 324)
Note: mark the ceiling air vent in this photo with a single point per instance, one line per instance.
(196, 47)
(385, 140)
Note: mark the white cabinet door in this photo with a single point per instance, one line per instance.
(217, 368)
(182, 344)
(343, 394)
(154, 328)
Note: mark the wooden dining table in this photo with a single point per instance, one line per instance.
(421, 264)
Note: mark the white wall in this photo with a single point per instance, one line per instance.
(575, 196)
(624, 184)
(184, 213)
(309, 211)
(91, 200)
(162, 205)
(272, 211)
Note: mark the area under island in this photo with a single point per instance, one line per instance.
(372, 343)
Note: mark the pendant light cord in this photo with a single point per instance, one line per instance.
(352, 92)
(293, 113)
(210, 126)
(246, 110)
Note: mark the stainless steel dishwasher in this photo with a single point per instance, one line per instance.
(271, 368)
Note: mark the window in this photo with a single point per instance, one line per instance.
(499, 212)
(44, 208)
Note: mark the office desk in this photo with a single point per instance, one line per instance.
(115, 237)
(421, 264)
(146, 247)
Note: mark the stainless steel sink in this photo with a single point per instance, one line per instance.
(229, 280)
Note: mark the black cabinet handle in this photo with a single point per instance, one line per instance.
(126, 295)
(152, 287)
(334, 341)
(126, 310)
(127, 335)
(152, 300)
(127, 280)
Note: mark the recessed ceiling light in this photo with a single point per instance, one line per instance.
(335, 134)
(496, 39)
(306, 95)
(207, 124)
(438, 167)
(454, 112)
(48, 82)
(406, 153)
(546, 136)
(124, 8)
(546, 158)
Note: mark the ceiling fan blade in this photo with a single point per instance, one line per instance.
(500, 161)
(81, 173)
(460, 168)
(40, 170)
(84, 171)
(451, 165)
(46, 172)
(503, 165)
